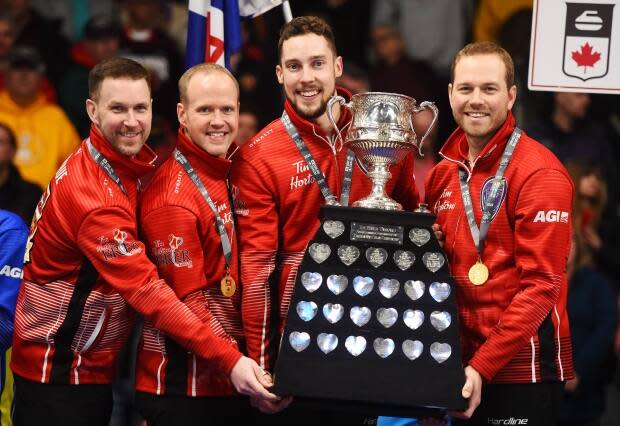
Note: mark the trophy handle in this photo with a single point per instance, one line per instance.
(342, 101)
(425, 105)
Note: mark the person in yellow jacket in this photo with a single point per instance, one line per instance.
(45, 136)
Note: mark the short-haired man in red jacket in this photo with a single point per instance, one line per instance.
(503, 202)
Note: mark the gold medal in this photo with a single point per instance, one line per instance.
(478, 273)
(228, 286)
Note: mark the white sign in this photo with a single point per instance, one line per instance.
(575, 46)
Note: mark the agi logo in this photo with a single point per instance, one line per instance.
(551, 216)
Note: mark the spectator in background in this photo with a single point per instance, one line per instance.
(354, 78)
(13, 234)
(491, 15)
(74, 14)
(248, 123)
(32, 29)
(45, 136)
(101, 41)
(7, 40)
(144, 41)
(16, 194)
(593, 317)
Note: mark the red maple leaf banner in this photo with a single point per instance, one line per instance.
(585, 57)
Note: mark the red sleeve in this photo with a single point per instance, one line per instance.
(541, 252)
(257, 221)
(135, 278)
(405, 189)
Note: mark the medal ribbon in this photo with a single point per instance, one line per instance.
(221, 228)
(319, 177)
(480, 235)
(105, 165)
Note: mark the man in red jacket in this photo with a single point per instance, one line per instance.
(503, 202)
(186, 221)
(277, 199)
(85, 270)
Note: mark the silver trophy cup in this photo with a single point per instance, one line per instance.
(381, 134)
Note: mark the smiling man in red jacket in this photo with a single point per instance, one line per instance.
(504, 204)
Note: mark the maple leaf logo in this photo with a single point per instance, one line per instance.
(586, 57)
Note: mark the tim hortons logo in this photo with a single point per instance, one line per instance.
(120, 246)
(301, 167)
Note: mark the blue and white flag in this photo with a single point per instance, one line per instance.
(214, 29)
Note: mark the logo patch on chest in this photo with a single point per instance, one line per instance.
(490, 186)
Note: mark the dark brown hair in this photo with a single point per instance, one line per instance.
(486, 48)
(303, 25)
(115, 68)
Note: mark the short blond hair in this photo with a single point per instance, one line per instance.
(207, 68)
(487, 48)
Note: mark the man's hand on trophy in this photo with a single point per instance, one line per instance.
(439, 234)
(472, 390)
(249, 379)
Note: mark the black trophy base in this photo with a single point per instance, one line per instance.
(318, 360)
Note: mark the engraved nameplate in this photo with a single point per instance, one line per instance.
(373, 233)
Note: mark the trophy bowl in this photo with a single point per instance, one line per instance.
(381, 134)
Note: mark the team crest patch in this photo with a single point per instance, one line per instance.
(485, 192)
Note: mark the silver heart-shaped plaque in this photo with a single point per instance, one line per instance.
(388, 287)
(327, 342)
(413, 318)
(414, 289)
(403, 259)
(376, 256)
(355, 345)
(363, 285)
(311, 281)
(440, 320)
(360, 315)
(439, 291)
(419, 236)
(348, 254)
(319, 252)
(433, 261)
(333, 312)
(387, 316)
(306, 310)
(299, 340)
(337, 283)
(412, 349)
(440, 351)
(333, 228)
(383, 347)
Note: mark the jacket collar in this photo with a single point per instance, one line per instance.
(305, 126)
(456, 149)
(214, 167)
(127, 167)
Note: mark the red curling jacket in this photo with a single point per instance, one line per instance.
(85, 268)
(178, 227)
(277, 205)
(514, 328)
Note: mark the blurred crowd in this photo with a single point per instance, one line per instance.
(404, 46)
